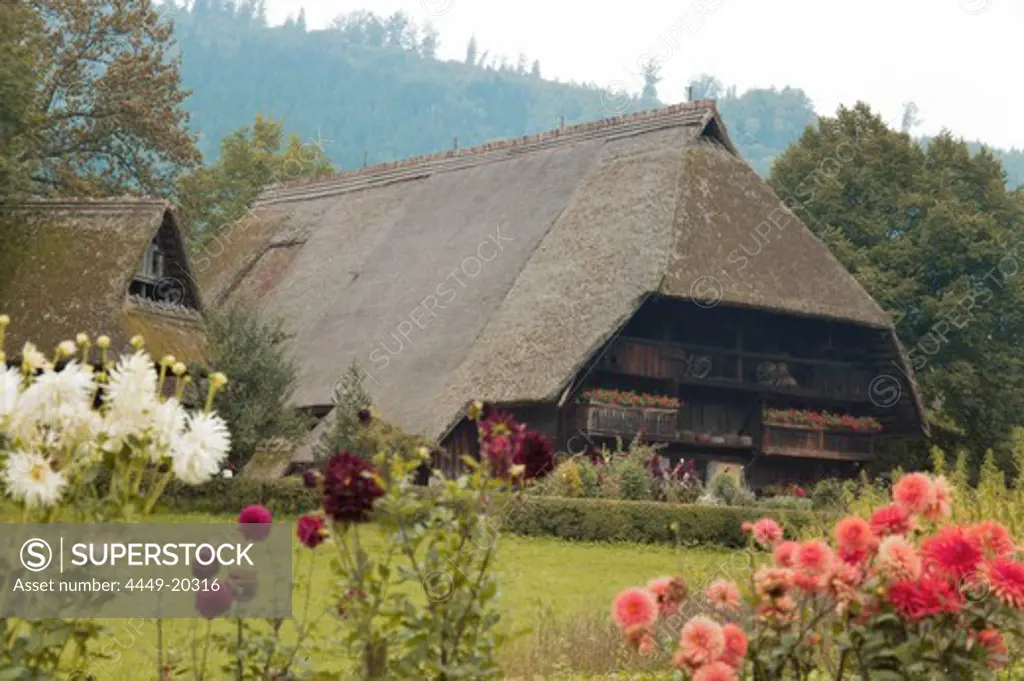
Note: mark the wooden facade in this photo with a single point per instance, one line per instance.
(728, 367)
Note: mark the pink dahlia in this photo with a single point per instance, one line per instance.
(915, 492)
(670, 592)
(995, 540)
(785, 554)
(735, 645)
(634, 607)
(771, 583)
(255, 522)
(1006, 579)
(892, 519)
(767, 533)
(942, 504)
(954, 552)
(724, 595)
(854, 536)
(898, 560)
(814, 557)
(702, 640)
(716, 671)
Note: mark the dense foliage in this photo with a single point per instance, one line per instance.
(255, 352)
(934, 235)
(108, 114)
(212, 198)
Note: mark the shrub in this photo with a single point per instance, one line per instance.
(350, 398)
(634, 481)
(589, 479)
(566, 480)
(827, 494)
(254, 353)
(725, 488)
(676, 492)
(802, 504)
(640, 521)
(225, 496)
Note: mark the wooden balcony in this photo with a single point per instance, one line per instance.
(727, 368)
(811, 443)
(657, 425)
(618, 421)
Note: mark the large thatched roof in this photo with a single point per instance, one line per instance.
(66, 266)
(496, 272)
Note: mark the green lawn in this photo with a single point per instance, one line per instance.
(543, 584)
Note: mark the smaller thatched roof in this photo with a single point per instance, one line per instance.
(68, 265)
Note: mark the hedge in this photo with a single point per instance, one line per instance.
(286, 496)
(534, 516)
(642, 521)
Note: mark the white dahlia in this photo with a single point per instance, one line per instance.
(33, 359)
(196, 456)
(10, 389)
(168, 426)
(29, 477)
(131, 386)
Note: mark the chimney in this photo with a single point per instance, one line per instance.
(689, 93)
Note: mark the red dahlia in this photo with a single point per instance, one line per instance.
(891, 520)
(311, 530)
(923, 598)
(349, 488)
(954, 552)
(1006, 579)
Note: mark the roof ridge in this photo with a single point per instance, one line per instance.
(106, 203)
(511, 145)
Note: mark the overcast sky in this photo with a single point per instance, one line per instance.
(957, 59)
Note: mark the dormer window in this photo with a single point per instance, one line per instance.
(160, 277)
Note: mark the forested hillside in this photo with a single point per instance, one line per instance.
(373, 91)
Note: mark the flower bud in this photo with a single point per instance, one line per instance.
(168, 360)
(66, 348)
(103, 342)
(218, 380)
(137, 342)
(179, 368)
(4, 320)
(82, 339)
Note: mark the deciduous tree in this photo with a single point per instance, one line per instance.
(109, 108)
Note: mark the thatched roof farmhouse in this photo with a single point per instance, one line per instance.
(634, 253)
(115, 266)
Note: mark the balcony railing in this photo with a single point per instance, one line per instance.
(725, 367)
(812, 443)
(607, 419)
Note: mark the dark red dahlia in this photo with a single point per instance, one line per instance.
(310, 479)
(242, 584)
(537, 454)
(205, 564)
(500, 436)
(311, 530)
(350, 488)
(214, 602)
(255, 522)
